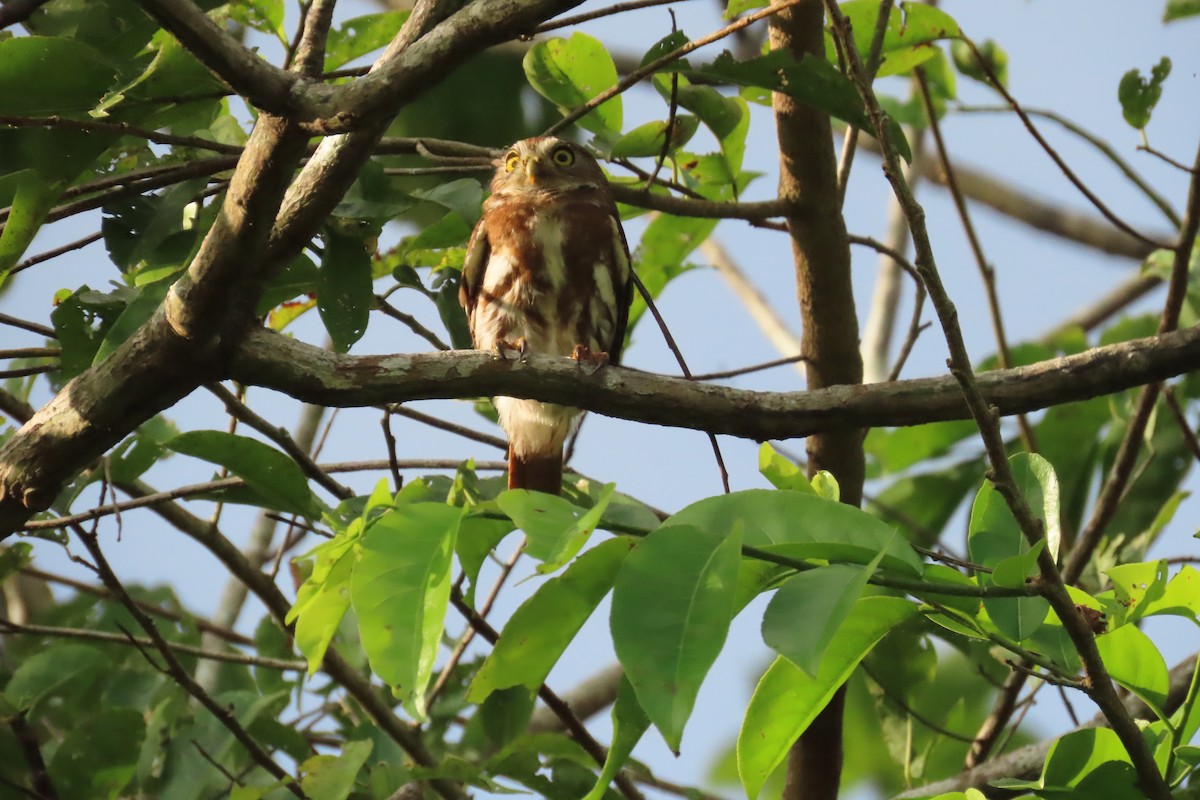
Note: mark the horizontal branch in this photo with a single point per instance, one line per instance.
(318, 376)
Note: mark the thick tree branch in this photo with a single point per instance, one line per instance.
(314, 375)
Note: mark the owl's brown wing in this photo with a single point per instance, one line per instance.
(624, 287)
(479, 249)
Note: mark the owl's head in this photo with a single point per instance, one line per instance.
(546, 164)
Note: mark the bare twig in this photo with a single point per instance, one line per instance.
(15, 11)
(411, 321)
(1096, 202)
(1104, 147)
(78, 244)
(616, 8)
(242, 412)
(31, 752)
(986, 271)
(1177, 164)
(733, 373)
(450, 427)
(86, 634)
(32, 327)
(687, 373)
(120, 128)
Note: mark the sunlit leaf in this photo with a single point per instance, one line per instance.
(629, 722)
(400, 589)
(671, 609)
(781, 472)
(539, 631)
(787, 700)
(570, 72)
(557, 530)
(801, 525)
(358, 36)
(807, 610)
(272, 475)
(1135, 663)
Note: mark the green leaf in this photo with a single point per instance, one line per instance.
(780, 471)
(344, 288)
(646, 141)
(539, 631)
(356, 37)
(907, 36)
(802, 526)
(400, 589)
(323, 600)
(671, 609)
(629, 723)
(807, 610)
(556, 529)
(787, 700)
(71, 76)
(271, 474)
(1181, 597)
(464, 197)
(666, 242)
(1136, 586)
(1012, 571)
(826, 486)
(333, 777)
(900, 448)
(994, 57)
(140, 309)
(452, 313)
(570, 72)
(1180, 9)
(1076, 755)
(50, 670)
(32, 200)
(98, 758)
(1135, 663)
(993, 536)
(1139, 95)
(811, 80)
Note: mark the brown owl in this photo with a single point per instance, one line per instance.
(547, 271)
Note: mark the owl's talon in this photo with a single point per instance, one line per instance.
(582, 354)
(503, 347)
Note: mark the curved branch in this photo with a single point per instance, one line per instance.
(314, 375)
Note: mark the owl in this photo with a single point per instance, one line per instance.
(547, 271)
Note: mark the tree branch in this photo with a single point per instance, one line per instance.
(308, 373)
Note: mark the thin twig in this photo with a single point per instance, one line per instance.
(1096, 202)
(1177, 164)
(121, 128)
(78, 244)
(1127, 453)
(411, 321)
(850, 140)
(242, 412)
(1104, 147)
(1185, 427)
(733, 373)
(390, 442)
(460, 430)
(25, 372)
(616, 8)
(31, 752)
(32, 327)
(31, 352)
(986, 272)
(687, 373)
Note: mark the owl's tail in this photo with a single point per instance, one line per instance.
(539, 473)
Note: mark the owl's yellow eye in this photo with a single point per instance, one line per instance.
(563, 156)
(511, 161)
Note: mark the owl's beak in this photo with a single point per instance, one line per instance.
(533, 168)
